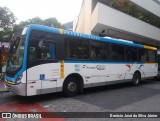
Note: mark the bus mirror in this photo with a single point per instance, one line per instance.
(40, 43)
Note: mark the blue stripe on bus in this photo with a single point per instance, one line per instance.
(100, 62)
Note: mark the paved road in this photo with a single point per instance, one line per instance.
(111, 98)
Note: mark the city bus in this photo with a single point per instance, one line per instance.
(44, 60)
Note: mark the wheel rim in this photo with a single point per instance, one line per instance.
(137, 80)
(71, 86)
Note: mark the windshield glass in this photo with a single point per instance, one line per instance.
(16, 53)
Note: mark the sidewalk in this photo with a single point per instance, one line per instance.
(2, 88)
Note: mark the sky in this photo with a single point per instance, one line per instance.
(63, 10)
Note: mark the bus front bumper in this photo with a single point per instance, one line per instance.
(19, 89)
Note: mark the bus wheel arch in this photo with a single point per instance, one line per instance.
(136, 78)
(72, 85)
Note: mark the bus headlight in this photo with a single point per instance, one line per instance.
(18, 81)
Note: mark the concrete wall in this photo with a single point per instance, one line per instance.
(83, 24)
(149, 5)
(81, 20)
(117, 19)
(96, 17)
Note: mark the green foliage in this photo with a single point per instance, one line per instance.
(111, 3)
(6, 33)
(52, 22)
(7, 19)
(8, 25)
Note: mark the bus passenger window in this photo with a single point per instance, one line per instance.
(48, 50)
(93, 55)
(117, 53)
(40, 50)
(142, 55)
(33, 50)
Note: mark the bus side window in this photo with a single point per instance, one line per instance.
(33, 50)
(142, 55)
(48, 50)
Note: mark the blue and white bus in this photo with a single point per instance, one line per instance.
(45, 60)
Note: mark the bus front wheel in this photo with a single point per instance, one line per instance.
(71, 87)
(136, 79)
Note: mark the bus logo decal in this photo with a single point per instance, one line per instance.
(101, 67)
(98, 67)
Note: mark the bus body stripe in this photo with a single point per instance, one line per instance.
(150, 47)
(60, 31)
(62, 69)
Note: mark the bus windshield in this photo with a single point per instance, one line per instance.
(16, 53)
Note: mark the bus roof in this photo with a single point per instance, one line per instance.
(75, 34)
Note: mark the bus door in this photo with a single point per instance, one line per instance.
(50, 70)
(42, 69)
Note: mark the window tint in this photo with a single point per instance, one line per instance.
(142, 55)
(33, 50)
(47, 50)
(76, 48)
(117, 52)
(39, 49)
(72, 48)
(99, 50)
(82, 49)
(151, 56)
(131, 53)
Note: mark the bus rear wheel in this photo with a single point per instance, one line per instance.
(136, 79)
(71, 87)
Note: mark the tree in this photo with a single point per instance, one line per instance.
(6, 34)
(52, 22)
(7, 20)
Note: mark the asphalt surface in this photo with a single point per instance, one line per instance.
(112, 98)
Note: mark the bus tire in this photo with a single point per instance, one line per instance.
(136, 79)
(71, 87)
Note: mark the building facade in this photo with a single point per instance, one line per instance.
(135, 20)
